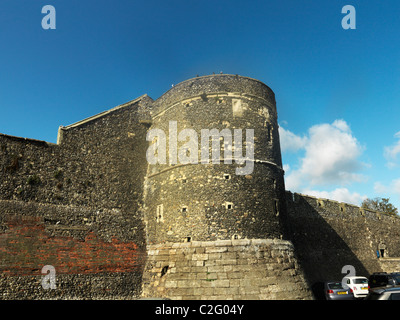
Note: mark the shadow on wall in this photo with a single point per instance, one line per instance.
(320, 249)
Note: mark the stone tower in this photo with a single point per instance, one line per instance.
(214, 229)
(193, 201)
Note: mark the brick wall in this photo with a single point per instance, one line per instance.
(89, 261)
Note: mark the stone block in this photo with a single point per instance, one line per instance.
(226, 262)
(226, 291)
(186, 283)
(201, 275)
(230, 255)
(220, 284)
(222, 276)
(171, 284)
(216, 249)
(208, 291)
(228, 268)
(206, 283)
(162, 257)
(152, 252)
(212, 276)
(262, 242)
(163, 252)
(234, 282)
(214, 256)
(223, 243)
(197, 269)
(248, 290)
(251, 297)
(234, 275)
(182, 276)
(180, 292)
(197, 244)
(199, 263)
(242, 268)
(209, 262)
(201, 256)
(241, 242)
(215, 269)
(200, 250)
(181, 263)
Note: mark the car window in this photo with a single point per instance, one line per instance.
(379, 280)
(335, 285)
(397, 278)
(395, 296)
(360, 281)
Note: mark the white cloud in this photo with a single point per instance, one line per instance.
(339, 194)
(290, 142)
(396, 186)
(331, 157)
(391, 152)
(392, 188)
(380, 188)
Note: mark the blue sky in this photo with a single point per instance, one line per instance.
(337, 90)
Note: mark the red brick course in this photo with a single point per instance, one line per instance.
(26, 247)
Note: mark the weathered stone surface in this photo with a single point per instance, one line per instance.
(90, 204)
(246, 280)
(213, 202)
(328, 235)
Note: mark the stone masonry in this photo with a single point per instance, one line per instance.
(257, 269)
(115, 226)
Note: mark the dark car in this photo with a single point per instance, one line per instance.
(384, 293)
(335, 291)
(383, 279)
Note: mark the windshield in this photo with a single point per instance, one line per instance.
(360, 280)
(335, 285)
(397, 278)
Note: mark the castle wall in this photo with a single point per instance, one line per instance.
(90, 204)
(99, 162)
(328, 235)
(76, 205)
(107, 155)
(29, 169)
(257, 269)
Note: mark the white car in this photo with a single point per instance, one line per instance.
(359, 285)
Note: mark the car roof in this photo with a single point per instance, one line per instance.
(379, 274)
(381, 290)
(356, 277)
